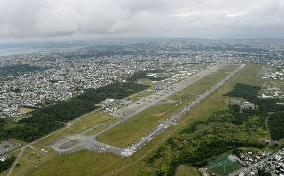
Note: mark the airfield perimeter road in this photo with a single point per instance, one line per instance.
(91, 143)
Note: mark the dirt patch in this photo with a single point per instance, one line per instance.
(69, 144)
(26, 110)
(159, 114)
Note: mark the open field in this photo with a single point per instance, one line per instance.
(92, 163)
(127, 132)
(184, 170)
(136, 127)
(142, 94)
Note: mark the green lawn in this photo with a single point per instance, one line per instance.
(83, 163)
(136, 127)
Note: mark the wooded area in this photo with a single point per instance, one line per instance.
(143, 75)
(4, 165)
(47, 119)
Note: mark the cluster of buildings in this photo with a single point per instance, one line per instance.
(249, 158)
(6, 147)
(64, 78)
(68, 71)
(272, 71)
(265, 162)
(110, 105)
(271, 90)
(244, 105)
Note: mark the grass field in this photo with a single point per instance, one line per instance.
(136, 127)
(142, 94)
(184, 170)
(91, 163)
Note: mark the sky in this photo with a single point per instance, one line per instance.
(142, 18)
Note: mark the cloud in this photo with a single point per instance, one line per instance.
(188, 18)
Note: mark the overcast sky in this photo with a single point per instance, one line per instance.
(139, 18)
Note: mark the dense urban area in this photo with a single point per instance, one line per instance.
(146, 106)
